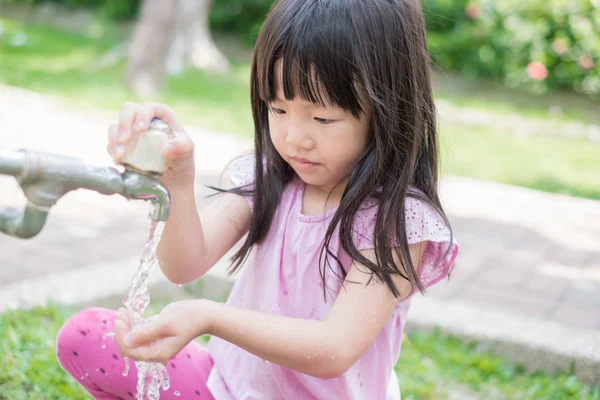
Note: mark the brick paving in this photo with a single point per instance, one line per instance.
(523, 252)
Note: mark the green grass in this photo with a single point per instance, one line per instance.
(432, 366)
(431, 361)
(66, 65)
(484, 94)
(567, 166)
(28, 365)
(60, 63)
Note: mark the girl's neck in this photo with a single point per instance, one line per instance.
(319, 199)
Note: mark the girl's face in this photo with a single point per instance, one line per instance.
(322, 144)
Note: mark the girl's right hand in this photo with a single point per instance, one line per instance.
(134, 120)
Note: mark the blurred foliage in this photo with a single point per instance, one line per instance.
(242, 17)
(114, 9)
(58, 62)
(535, 44)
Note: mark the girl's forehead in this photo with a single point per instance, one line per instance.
(291, 76)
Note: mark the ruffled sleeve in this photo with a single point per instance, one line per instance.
(423, 224)
(241, 174)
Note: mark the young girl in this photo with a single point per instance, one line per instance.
(338, 206)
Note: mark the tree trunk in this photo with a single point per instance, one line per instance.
(192, 41)
(150, 45)
(169, 34)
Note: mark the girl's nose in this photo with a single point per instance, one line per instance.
(297, 137)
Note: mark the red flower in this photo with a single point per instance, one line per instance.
(560, 46)
(473, 11)
(536, 70)
(586, 62)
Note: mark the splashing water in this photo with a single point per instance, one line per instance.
(151, 376)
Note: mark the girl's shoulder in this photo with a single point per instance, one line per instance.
(422, 221)
(423, 224)
(241, 170)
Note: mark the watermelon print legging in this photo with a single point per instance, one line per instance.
(93, 359)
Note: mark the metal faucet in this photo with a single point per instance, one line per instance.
(45, 178)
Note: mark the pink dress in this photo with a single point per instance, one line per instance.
(282, 277)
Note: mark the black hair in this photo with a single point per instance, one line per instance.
(332, 50)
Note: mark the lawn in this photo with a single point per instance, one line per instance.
(432, 366)
(67, 65)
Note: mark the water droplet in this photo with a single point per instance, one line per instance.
(103, 346)
(176, 393)
(108, 334)
(126, 370)
(266, 361)
(82, 378)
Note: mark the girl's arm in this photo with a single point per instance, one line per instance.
(193, 241)
(324, 349)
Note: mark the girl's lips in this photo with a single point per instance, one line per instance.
(303, 163)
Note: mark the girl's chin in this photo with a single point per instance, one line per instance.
(325, 185)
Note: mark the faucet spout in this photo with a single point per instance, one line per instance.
(45, 178)
(147, 187)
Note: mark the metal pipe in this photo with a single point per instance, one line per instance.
(23, 224)
(12, 162)
(45, 178)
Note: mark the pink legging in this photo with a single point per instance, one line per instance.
(95, 362)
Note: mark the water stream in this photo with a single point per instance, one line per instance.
(151, 376)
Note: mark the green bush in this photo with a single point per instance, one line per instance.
(533, 44)
(536, 44)
(113, 9)
(242, 17)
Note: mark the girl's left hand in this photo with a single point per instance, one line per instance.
(164, 335)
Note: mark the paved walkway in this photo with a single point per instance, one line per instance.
(525, 254)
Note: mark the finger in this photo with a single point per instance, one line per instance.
(125, 316)
(111, 149)
(151, 352)
(179, 147)
(113, 132)
(116, 152)
(144, 334)
(151, 110)
(115, 149)
(121, 329)
(127, 117)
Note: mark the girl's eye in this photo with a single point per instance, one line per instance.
(323, 121)
(277, 110)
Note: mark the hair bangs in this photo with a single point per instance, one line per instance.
(316, 58)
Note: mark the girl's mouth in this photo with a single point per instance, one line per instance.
(302, 163)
